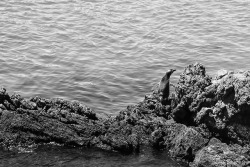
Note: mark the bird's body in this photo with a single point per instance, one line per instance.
(164, 86)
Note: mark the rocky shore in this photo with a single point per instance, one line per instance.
(206, 122)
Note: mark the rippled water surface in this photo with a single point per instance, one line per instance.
(109, 53)
(54, 156)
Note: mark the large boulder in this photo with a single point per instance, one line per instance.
(182, 142)
(191, 84)
(218, 154)
(222, 104)
(61, 122)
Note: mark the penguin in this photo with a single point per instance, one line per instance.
(164, 86)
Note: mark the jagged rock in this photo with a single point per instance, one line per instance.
(60, 124)
(182, 141)
(6, 101)
(222, 103)
(230, 114)
(192, 83)
(218, 154)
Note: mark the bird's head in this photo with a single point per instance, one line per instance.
(169, 72)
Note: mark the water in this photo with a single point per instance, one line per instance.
(109, 53)
(54, 156)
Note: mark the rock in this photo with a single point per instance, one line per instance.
(25, 126)
(26, 104)
(190, 86)
(222, 104)
(220, 74)
(230, 114)
(218, 154)
(181, 141)
(5, 100)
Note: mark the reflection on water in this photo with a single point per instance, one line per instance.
(63, 156)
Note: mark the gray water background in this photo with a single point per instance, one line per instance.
(108, 54)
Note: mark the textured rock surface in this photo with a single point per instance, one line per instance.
(206, 122)
(191, 85)
(59, 121)
(221, 104)
(218, 154)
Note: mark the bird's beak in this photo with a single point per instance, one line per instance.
(173, 70)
